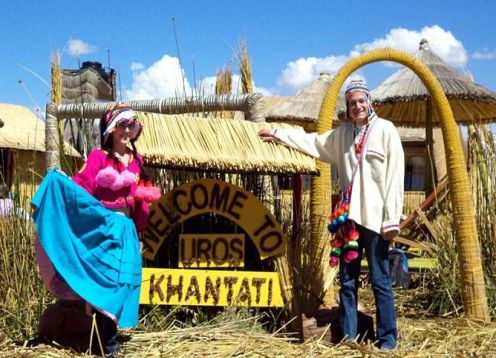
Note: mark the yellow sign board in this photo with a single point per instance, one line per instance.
(213, 196)
(210, 288)
(211, 250)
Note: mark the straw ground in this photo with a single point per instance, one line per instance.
(242, 336)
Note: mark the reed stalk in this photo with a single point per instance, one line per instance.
(446, 288)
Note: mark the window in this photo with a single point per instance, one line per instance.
(4, 172)
(415, 169)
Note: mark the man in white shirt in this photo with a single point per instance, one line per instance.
(369, 157)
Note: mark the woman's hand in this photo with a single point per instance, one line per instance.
(267, 134)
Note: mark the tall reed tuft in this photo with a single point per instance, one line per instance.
(223, 86)
(245, 69)
(23, 294)
(446, 296)
(482, 164)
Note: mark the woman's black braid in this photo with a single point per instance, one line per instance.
(143, 174)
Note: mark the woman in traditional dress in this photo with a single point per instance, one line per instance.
(88, 245)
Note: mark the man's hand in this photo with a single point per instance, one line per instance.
(267, 134)
(389, 235)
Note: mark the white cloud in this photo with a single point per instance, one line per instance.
(301, 72)
(484, 55)
(77, 48)
(442, 42)
(162, 79)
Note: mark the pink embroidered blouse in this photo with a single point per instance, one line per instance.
(122, 198)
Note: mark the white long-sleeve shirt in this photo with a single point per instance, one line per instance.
(377, 194)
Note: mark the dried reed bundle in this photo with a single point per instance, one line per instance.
(216, 145)
(482, 154)
(56, 96)
(223, 86)
(245, 69)
(223, 81)
(241, 337)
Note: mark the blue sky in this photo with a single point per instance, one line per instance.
(289, 42)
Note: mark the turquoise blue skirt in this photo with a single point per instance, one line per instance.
(94, 250)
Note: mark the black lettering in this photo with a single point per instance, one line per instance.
(266, 238)
(236, 202)
(194, 198)
(193, 252)
(244, 293)
(186, 258)
(210, 289)
(193, 290)
(155, 225)
(174, 289)
(269, 295)
(236, 246)
(170, 218)
(215, 250)
(204, 247)
(229, 281)
(268, 222)
(258, 282)
(219, 199)
(155, 287)
(175, 201)
(149, 237)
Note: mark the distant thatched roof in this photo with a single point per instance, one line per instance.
(90, 83)
(402, 97)
(22, 129)
(304, 107)
(177, 141)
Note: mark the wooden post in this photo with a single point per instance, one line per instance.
(430, 174)
(52, 139)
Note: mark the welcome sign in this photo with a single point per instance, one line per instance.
(201, 277)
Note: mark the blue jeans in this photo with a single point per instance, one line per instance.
(376, 251)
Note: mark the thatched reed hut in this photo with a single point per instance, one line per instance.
(404, 99)
(90, 83)
(303, 108)
(22, 147)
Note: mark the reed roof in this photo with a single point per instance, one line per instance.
(403, 98)
(87, 84)
(23, 130)
(213, 144)
(304, 107)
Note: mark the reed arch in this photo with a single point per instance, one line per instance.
(472, 277)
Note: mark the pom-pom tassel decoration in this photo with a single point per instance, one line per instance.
(344, 244)
(147, 192)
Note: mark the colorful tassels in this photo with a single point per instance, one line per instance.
(344, 244)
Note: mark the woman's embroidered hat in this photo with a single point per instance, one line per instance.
(117, 114)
